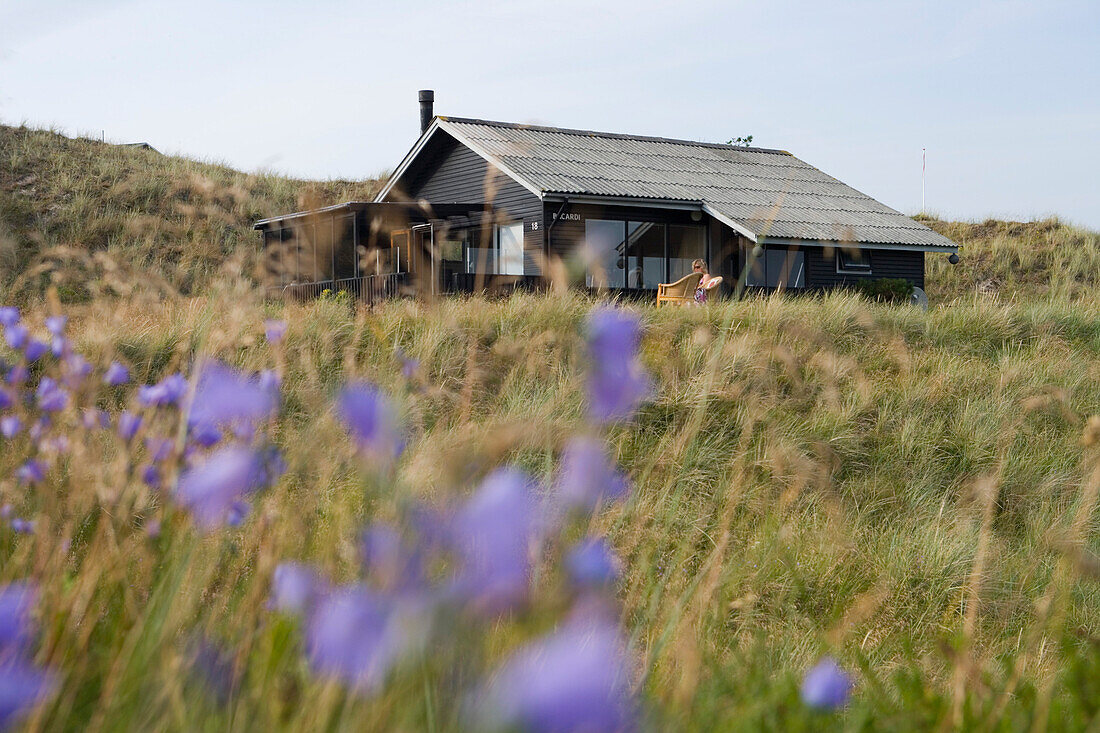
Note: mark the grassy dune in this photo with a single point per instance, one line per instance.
(908, 491)
(111, 215)
(1016, 260)
(912, 492)
(120, 218)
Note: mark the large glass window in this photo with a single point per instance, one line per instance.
(479, 250)
(645, 267)
(510, 249)
(496, 251)
(605, 244)
(685, 245)
(778, 268)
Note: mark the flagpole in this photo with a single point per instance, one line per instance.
(923, 165)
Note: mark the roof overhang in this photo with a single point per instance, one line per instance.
(410, 211)
(553, 197)
(731, 223)
(788, 242)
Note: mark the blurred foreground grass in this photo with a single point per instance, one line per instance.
(909, 491)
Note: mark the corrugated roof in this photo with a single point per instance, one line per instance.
(770, 193)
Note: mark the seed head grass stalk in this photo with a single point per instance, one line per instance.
(803, 486)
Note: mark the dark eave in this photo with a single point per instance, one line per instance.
(413, 211)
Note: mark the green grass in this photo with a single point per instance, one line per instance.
(911, 491)
(811, 476)
(109, 218)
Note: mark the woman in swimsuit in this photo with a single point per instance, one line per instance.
(701, 291)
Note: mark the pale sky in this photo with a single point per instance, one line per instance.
(1005, 95)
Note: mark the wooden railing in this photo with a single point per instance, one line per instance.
(463, 282)
(371, 289)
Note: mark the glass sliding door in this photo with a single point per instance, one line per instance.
(685, 245)
(645, 266)
(640, 255)
(604, 249)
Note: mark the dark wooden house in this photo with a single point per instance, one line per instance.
(478, 204)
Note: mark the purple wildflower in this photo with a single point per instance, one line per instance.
(369, 417)
(274, 330)
(613, 334)
(573, 679)
(152, 528)
(19, 374)
(6, 400)
(9, 315)
(270, 382)
(592, 564)
(492, 535)
(160, 449)
(150, 476)
(22, 687)
(389, 560)
(409, 366)
(6, 511)
(40, 427)
(31, 472)
(587, 477)
(826, 686)
(35, 350)
(10, 425)
(204, 434)
(244, 432)
(16, 335)
(224, 396)
(57, 444)
(56, 324)
(167, 391)
(60, 346)
(238, 512)
(76, 369)
(17, 601)
(95, 418)
(22, 526)
(353, 635)
(210, 489)
(128, 425)
(214, 666)
(175, 387)
(294, 587)
(51, 398)
(617, 384)
(116, 374)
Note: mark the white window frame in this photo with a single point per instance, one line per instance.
(512, 262)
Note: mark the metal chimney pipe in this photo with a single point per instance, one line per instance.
(427, 102)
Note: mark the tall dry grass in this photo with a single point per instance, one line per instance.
(93, 213)
(909, 491)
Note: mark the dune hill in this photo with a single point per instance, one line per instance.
(92, 208)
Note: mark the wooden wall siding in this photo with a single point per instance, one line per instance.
(885, 263)
(450, 172)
